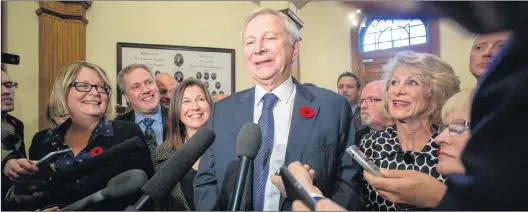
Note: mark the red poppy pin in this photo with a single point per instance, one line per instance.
(13, 121)
(167, 124)
(96, 151)
(306, 112)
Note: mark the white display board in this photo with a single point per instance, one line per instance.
(215, 67)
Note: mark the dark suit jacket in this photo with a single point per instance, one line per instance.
(129, 116)
(70, 192)
(319, 141)
(20, 153)
(493, 157)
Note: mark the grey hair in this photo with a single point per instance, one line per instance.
(289, 25)
(121, 74)
(436, 73)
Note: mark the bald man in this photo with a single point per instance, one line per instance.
(166, 84)
(485, 48)
(372, 114)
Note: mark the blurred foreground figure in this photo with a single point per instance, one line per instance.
(492, 180)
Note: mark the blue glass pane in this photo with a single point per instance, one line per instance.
(418, 40)
(400, 43)
(369, 38)
(418, 31)
(385, 45)
(368, 48)
(399, 33)
(415, 22)
(385, 36)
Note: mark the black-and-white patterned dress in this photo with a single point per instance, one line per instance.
(384, 149)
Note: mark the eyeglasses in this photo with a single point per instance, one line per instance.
(369, 101)
(456, 127)
(87, 87)
(10, 85)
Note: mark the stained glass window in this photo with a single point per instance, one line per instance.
(393, 33)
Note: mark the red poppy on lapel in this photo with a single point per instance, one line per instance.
(96, 151)
(306, 112)
(356, 121)
(167, 124)
(13, 122)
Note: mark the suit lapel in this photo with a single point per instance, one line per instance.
(245, 108)
(301, 127)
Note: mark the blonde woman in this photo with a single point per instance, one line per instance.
(83, 91)
(416, 87)
(189, 110)
(455, 133)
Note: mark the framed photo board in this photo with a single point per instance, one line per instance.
(215, 67)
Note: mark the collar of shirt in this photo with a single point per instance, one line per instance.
(157, 116)
(353, 107)
(104, 128)
(283, 92)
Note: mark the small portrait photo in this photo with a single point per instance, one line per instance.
(178, 60)
(199, 75)
(178, 76)
(156, 73)
(213, 76)
(206, 84)
(213, 93)
(217, 85)
(206, 76)
(221, 92)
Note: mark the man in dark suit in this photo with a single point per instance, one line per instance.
(12, 131)
(299, 123)
(139, 88)
(348, 85)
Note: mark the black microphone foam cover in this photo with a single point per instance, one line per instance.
(126, 183)
(179, 164)
(248, 140)
(120, 151)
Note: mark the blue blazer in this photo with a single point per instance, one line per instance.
(319, 141)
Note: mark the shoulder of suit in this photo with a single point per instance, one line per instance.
(13, 120)
(126, 116)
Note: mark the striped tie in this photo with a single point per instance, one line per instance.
(261, 163)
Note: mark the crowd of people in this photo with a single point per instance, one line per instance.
(413, 124)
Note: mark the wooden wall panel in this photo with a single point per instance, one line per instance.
(62, 39)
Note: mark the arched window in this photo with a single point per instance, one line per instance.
(392, 33)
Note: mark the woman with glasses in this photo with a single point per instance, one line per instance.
(416, 87)
(455, 134)
(83, 91)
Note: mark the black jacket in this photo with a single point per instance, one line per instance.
(69, 192)
(20, 153)
(129, 116)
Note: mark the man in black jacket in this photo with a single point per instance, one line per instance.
(12, 131)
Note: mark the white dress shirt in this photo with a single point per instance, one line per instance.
(282, 113)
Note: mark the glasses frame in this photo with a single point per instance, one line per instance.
(370, 101)
(107, 87)
(13, 85)
(452, 131)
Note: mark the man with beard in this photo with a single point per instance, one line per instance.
(372, 115)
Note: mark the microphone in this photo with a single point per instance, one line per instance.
(120, 151)
(295, 190)
(124, 184)
(175, 169)
(248, 144)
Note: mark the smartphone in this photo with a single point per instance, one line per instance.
(294, 189)
(365, 162)
(50, 156)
